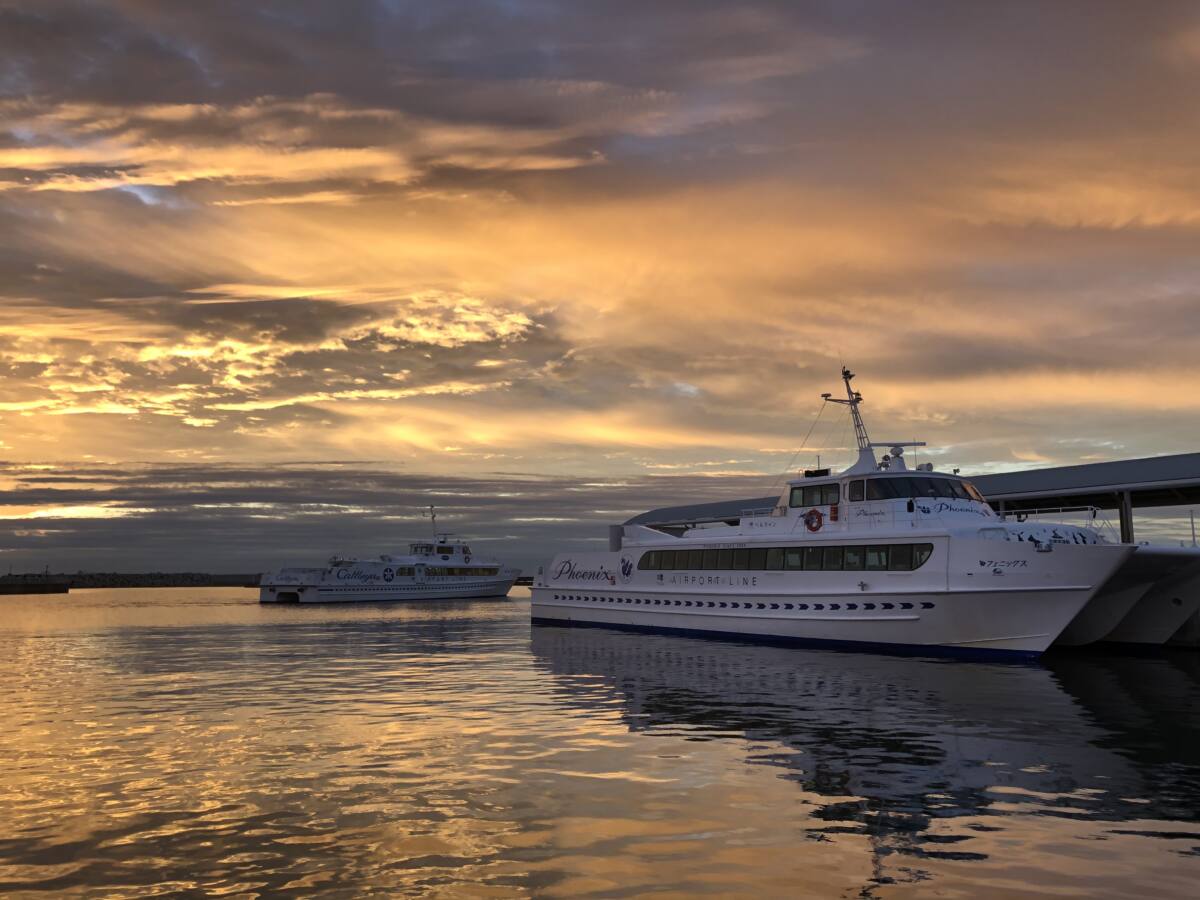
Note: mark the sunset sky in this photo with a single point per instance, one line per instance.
(274, 275)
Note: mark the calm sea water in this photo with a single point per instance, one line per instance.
(190, 742)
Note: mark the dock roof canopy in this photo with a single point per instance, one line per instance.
(1152, 481)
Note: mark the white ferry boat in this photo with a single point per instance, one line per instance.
(877, 555)
(442, 569)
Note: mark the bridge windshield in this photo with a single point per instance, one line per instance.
(902, 487)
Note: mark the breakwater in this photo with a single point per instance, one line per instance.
(60, 583)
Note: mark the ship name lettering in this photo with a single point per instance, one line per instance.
(568, 569)
(355, 575)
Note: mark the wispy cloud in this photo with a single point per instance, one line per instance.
(594, 240)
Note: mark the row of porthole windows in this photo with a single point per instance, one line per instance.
(720, 604)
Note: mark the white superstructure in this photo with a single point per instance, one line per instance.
(875, 555)
(441, 569)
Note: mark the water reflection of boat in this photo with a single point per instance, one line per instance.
(915, 743)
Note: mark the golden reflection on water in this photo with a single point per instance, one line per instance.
(160, 742)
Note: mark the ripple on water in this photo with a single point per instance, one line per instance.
(167, 742)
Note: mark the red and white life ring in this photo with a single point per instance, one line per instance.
(813, 520)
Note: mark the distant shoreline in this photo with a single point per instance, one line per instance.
(60, 583)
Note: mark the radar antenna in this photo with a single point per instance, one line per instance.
(431, 514)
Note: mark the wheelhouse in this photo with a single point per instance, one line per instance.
(883, 487)
(439, 549)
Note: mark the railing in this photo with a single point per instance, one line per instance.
(895, 515)
(1061, 515)
(763, 511)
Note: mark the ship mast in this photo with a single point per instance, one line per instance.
(853, 398)
(866, 449)
(866, 455)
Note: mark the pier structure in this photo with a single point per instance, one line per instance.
(1122, 485)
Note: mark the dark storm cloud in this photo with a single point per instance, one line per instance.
(237, 518)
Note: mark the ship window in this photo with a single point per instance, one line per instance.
(960, 492)
(694, 557)
(741, 559)
(921, 553)
(774, 558)
(812, 558)
(797, 497)
(829, 494)
(445, 550)
(724, 559)
(710, 559)
(833, 558)
(758, 559)
(877, 558)
(856, 491)
(794, 558)
(881, 489)
(853, 558)
(923, 487)
(666, 560)
(900, 558)
(812, 495)
(973, 491)
(944, 486)
(649, 560)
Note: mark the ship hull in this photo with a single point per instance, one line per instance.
(972, 597)
(1130, 607)
(1160, 613)
(1019, 623)
(383, 593)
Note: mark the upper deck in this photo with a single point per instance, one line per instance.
(873, 493)
(442, 549)
(816, 507)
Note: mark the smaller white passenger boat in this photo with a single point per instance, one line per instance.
(441, 569)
